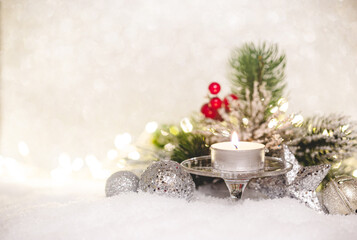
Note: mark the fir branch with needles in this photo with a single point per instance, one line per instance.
(190, 145)
(320, 139)
(262, 64)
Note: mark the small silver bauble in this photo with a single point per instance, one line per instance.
(167, 178)
(340, 195)
(122, 181)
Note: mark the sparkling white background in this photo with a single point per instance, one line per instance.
(74, 74)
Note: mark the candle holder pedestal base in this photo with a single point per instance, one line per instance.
(236, 187)
(236, 181)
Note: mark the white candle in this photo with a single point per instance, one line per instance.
(237, 156)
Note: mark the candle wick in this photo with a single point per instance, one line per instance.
(236, 146)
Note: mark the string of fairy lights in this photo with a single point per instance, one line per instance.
(123, 155)
(68, 169)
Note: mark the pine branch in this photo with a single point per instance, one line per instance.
(189, 145)
(262, 64)
(330, 139)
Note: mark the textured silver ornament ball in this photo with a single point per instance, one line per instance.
(167, 178)
(340, 195)
(120, 182)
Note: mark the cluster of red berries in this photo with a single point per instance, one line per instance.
(210, 109)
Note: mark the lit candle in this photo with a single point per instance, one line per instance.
(237, 155)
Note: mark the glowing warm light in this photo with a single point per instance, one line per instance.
(274, 109)
(95, 167)
(151, 127)
(225, 133)
(112, 154)
(325, 132)
(284, 107)
(64, 161)
(164, 133)
(174, 130)
(77, 164)
(134, 155)
(344, 128)
(169, 147)
(354, 173)
(23, 149)
(336, 165)
(281, 101)
(330, 133)
(18, 171)
(309, 128)
(122, 140)
(245, 121)
(273, 123)
(186, 125)
(235, 139)
(121, 165)
(298, 119)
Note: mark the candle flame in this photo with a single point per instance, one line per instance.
(235, 140)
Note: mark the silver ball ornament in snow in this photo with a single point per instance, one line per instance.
(167, 178)
(120, 182)
(340, 195)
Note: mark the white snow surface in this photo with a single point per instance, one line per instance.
(83, 212)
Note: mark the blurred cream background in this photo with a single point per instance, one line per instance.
(74, 74)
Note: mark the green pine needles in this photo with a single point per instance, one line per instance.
(325, 140)
(189, 145)
(258, 63)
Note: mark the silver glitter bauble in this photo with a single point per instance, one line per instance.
(122, 181)
(340, 195)
(167, 178)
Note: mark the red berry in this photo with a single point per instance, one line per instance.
(211, 113)
(228, 99)
(216, 102)
(214, 88)
(204, 109)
